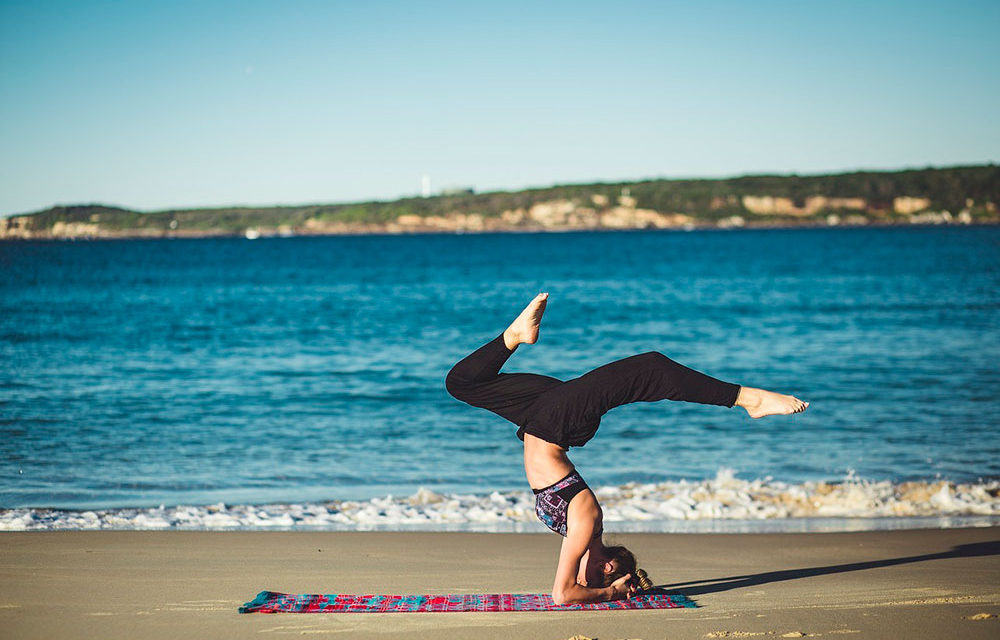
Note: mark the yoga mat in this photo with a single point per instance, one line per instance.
(273, 602)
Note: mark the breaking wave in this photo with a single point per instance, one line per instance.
(723, 503)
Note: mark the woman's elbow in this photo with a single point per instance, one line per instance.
(566, 596)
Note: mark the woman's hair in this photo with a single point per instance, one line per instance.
(625, 563)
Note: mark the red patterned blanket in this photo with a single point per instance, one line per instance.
(273, 602)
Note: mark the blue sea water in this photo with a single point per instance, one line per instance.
(151, 372)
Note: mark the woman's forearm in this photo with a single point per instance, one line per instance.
(577, 594)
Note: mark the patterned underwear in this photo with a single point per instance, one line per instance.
(552, 502)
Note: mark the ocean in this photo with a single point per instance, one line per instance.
(299, 382)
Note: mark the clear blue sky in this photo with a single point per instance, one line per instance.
(152, 105)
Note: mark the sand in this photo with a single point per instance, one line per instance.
(175, 584)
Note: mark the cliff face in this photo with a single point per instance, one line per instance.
(960, 195)
(16, 227)
(769, 205)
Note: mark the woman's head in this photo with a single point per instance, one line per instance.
(619, 562)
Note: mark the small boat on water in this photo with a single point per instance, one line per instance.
(251, 234)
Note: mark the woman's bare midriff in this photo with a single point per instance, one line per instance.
(545, 463)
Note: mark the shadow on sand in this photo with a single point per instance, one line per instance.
(715, 585)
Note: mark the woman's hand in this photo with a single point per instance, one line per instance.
(622, 588)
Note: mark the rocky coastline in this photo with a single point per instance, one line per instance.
(956, 196)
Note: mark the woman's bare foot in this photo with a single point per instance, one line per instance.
(524, 329)
(760, 403)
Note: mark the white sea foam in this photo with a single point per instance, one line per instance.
(668, 506)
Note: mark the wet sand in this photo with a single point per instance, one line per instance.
(108, 584)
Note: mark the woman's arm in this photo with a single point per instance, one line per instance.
(567, 590)
(583, 516)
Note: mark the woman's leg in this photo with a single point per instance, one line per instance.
(648, 377)
(477, 380)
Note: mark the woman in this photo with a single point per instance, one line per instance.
(553, 416)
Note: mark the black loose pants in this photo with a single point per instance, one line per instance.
(569, 413)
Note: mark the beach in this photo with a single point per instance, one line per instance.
(933, 583)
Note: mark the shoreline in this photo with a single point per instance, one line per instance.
(919, 584)
(961, 194)
(789, 526)
(433, 231)
(724, 503)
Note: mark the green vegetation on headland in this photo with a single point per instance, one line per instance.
(961, 195)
